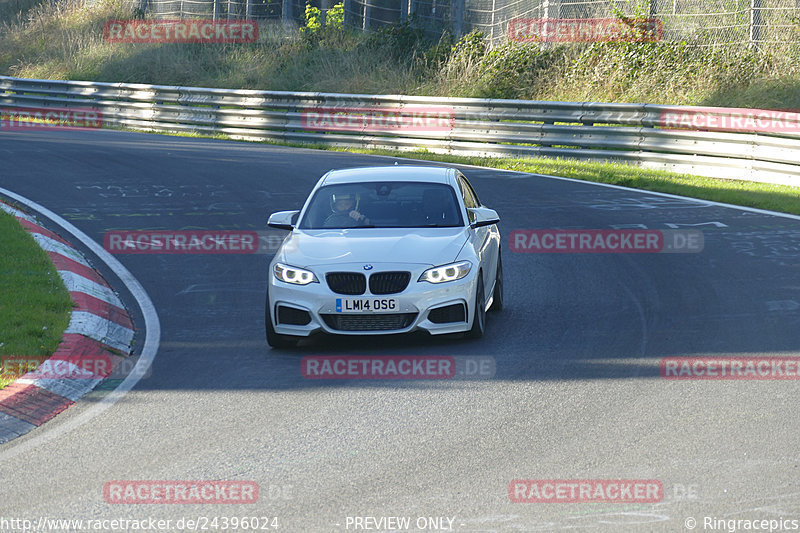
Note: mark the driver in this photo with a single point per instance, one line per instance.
(344, 211)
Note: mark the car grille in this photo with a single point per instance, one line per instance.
(354, 283)
(375, 322)
(346, 282)
(388, 282)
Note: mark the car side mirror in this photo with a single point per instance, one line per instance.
(482, 216)
(282, 220)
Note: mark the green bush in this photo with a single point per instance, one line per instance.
(313, 20)
(512, 70)
(334, 18)
(439, 53)
(470, 48)
(400, 42)
(509, 70)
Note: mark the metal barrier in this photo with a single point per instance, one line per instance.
(755, 145)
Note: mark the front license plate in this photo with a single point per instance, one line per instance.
(366, 305)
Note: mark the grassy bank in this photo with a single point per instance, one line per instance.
(42, 40)
(34, 304)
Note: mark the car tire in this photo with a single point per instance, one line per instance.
(497, 295)
(276, 340)
(479, 320)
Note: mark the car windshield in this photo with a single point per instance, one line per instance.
(383, 205)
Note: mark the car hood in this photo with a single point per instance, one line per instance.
(427, 246)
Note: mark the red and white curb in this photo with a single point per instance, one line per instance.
(99, 327)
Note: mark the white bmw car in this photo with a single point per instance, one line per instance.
(383, 250)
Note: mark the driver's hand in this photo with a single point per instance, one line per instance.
(355, 215)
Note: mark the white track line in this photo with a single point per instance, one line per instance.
(149, 349)
(667, 195)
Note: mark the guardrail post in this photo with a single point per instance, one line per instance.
(403, 10)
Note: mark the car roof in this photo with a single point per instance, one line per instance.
(389, 173)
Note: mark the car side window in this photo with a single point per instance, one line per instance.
(467, 194)
(471, 191)
(469, 198)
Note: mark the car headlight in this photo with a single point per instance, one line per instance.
(294, 275)
(444, 273)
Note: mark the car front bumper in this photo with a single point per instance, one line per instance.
(421, 306)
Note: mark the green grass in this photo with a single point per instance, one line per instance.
(35, 306)
(780, 198)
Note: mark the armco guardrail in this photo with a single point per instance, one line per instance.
(757, 145)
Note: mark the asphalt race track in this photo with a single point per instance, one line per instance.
(577, 392)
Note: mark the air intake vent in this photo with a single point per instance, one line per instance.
(292, 316)
(376, 322)
(450, 313)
